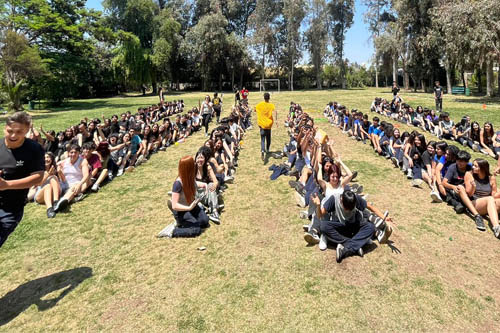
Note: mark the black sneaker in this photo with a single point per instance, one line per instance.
(51, 213)
(354, 175)
(459, 208)
(340, 253)
(263, 156)
(61, 205)
(479, 223)
(360, 252)
(298, 187)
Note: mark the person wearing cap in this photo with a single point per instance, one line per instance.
(265, 121)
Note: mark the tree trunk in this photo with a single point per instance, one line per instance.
(464, 81)
(479, 79)
(318, 75)
(232, 77)
(406, 77)
(448, 77)
(498, 77)
(291, 76)
(263, 75)
(376, 73)
(220, 81)
(394, 69)
(489, 79)
(155, 87)
(423, 85)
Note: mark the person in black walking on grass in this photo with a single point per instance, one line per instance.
(21, 166)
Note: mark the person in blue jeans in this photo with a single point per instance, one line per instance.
(21, 166)
(347, 226)
(190, 218)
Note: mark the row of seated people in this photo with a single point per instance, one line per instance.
(93, 152)
(466, 132)
(447, 171)
(196, 196)
(337, 211)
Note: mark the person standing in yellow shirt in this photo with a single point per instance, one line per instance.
(265, 121)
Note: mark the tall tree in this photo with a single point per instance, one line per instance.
(317, 37)
(207, 42)
(340, 18)
(294, 12)
(266, 22)
(373, 17)
(20, 63)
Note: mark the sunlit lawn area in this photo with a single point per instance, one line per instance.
(100, 266)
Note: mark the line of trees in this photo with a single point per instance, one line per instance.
(58, 49)
(432, 39)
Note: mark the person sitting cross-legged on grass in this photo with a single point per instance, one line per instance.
(347, 227)
(453, 178)
(74, 174)
(190, 218)
(481, 196)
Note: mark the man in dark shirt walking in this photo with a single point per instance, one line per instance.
(21, 166)
(438, 96)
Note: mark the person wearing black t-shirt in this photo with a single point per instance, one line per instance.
(438, 96)
(21, 166)
(454, 178)
(395, 89)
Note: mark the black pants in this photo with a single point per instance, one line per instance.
(8, 223)
(352, 235)
(189, 224)
(439, 104)
(265, 140)
(217, 113)
(206, 121)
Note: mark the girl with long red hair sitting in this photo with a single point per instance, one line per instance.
(190, 218)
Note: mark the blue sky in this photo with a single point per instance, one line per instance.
(358, 48)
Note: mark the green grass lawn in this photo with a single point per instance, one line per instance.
(100, 267)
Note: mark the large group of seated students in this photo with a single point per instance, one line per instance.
(196, 196)
(337, 211)
(93, 152)
(446, 169)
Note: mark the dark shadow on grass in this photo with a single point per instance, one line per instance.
(394, 249)
(18, 300)
(276, 155)
(478, 100)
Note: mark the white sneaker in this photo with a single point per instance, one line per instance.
(417, 182)
(140, 159)
(300, 200)
(168, 231)
(304, 214)
(95, 188)
(120, 172)
(436, 197)
(323, 245)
